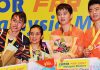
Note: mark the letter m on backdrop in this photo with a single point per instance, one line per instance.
(79, 22)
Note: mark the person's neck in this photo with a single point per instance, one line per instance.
(66, 27)
(97, 25)
(35, 46)
(12, 34)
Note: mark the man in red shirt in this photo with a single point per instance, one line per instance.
(67, 41)
(92, 35)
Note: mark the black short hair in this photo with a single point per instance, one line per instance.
(21, 15)
(38, 26)
(64, 6)
(92, 2)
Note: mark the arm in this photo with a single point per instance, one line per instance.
(23, 53)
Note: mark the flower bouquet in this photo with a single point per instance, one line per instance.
(63, 45)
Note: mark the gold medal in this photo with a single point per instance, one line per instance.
(90, 47)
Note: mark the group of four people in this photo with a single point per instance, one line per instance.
(66, 42)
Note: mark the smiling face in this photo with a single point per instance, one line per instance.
(16, 24)
(64, 17)
(94, 11)
(35, 35)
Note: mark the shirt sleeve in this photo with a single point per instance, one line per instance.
(44, 47)
(80, 36)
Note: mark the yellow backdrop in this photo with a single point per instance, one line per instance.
(42, 12)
